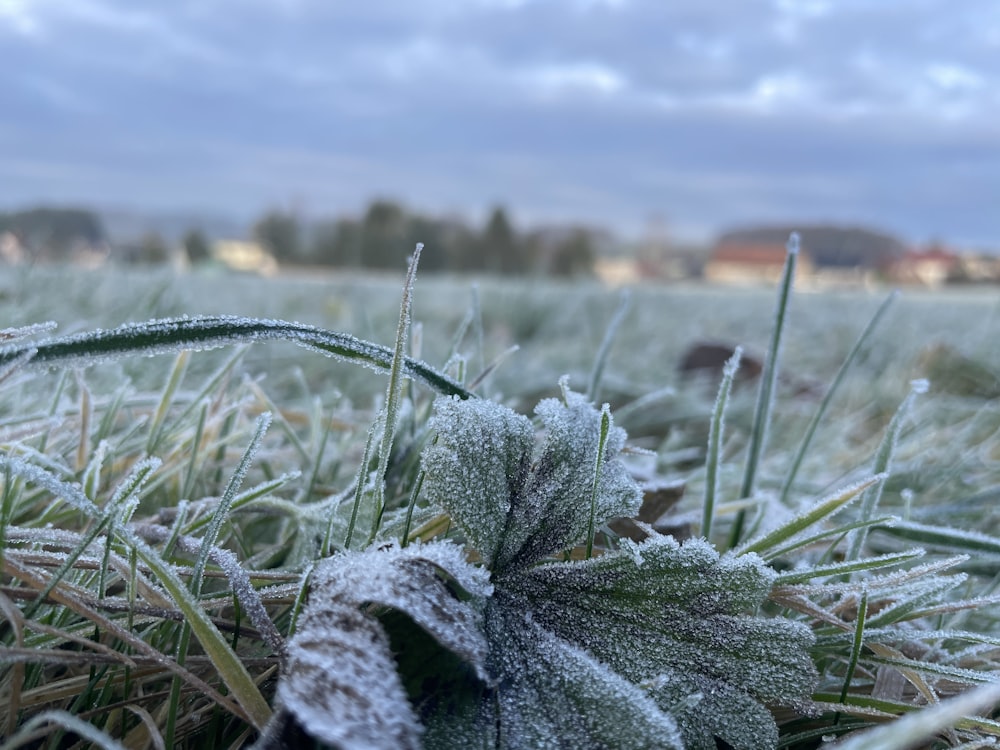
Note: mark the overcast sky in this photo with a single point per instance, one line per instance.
(701, 114)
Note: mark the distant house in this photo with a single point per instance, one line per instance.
(829, 246)
(247, 257)
(977, 268)
(615, 272)
(928, 267)
(12, 252)
(752, 263)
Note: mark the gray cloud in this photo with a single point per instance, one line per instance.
(705, 113)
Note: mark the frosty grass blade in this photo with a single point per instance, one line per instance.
(210, 332)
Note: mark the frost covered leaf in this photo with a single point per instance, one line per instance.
(477, 466)
(554, 694)
(653, 645)
(678, 620)
(516, 501)
(341, 681)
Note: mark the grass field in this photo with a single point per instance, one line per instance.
(130, 485)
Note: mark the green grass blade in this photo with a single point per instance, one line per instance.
(851, 566)
(598, 465)
(815, 514)
(856, 646)
(207, 546)
(414, 494)
(300, 599)
(326, 427)
(922, 726)
(225, 660)
(394, 392)
(11, 491)
(934, 669)
(166, 399)
(214, 331)
(942, 537)
(831, 391)
(883, 458)
(222, 509)
(840, 531)
(765, 396)
(359, 492)
(714, 457)
(601, 360)
(191, 473)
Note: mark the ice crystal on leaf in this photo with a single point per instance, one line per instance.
(651, 645)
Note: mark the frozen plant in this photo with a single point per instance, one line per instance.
(646, 645)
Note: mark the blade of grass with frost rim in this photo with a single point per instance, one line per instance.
(828, 396)
(923, 724)
(715, 441)
(207, 544)
(883, 458)
(765, 396)
(818, 512)
(597, 373)
(214, 331)
(394, 392)
(227, 663)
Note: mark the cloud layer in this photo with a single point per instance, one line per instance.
(703, 114)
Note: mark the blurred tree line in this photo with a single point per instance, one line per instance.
(381, 238)
(387, 233)
(53, 234)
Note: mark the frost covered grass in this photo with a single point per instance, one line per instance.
(440, 543)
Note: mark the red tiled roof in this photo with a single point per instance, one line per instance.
(750, 254)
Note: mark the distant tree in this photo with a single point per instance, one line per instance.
(384, 236)
(196, 246)
(499, 247)
(54, 233)
(337, 243)
(574, 255)
(153, 249)
(280, 234)
(458, 246)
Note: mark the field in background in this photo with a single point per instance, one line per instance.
(950, 450)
